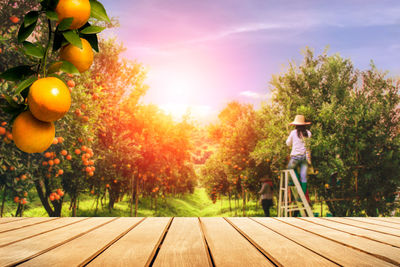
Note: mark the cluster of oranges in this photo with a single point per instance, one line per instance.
(49, 98)
(7, 135)
(52, 160)
(56, 195)
(87, 153)
(21, 201)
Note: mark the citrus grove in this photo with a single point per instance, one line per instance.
(73, 127)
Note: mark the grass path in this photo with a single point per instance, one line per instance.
(197, 204)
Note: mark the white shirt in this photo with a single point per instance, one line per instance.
(298, 146)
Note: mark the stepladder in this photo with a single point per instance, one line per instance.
(291, 196)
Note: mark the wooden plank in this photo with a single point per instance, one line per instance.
(386, 219)
(283, 251)
(37, 229)
(383, 251)
(81, 250)
(184, 245)
(353, 230)
(373, 224)
(336, 252)
(11, 219)
(364, 225)
(137, 247)
(228, 247)
(23, 223)
(32, 247)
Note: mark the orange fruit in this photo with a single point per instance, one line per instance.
(14, 19)
(2, 131)
(32, 135)
(79, 10)
(51, 162)
(16, 199)
(64, 152)
(77, 151)
(82, 59)
(71, 83)
(57, 161)
(69, 157)
(60, 172)
(49, 99)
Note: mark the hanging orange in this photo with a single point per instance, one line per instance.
(82, 59)
(49, 99)
(32, 135)
(79, 10)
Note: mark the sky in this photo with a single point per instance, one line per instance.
(202, 54)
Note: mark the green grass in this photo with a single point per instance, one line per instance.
(197, 204)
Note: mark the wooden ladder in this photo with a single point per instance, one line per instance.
(300, 202)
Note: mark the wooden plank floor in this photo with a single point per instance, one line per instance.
(200, 241)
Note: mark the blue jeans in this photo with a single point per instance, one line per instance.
(296, 161)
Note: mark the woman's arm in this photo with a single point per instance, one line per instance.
(289, 140)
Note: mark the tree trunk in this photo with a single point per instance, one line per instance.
(132, 196)
(136, 196)
(74, 207)
(3, 201)
(44, 199)
(244, 202)
(230, 204)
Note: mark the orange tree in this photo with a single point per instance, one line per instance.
(355, 142)
(236, 136)
(33, 108)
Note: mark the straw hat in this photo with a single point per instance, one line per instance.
(299, 120)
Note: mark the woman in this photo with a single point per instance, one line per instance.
(266, 192)
(298, 155)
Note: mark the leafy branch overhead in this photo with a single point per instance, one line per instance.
(60, 35)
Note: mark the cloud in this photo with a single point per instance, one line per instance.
(255, 95)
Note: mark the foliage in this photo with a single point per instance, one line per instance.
(355, 143)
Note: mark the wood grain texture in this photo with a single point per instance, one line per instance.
(11, 219)
(354, 230)
(137, 247)
(80, 250)
(228, 247)
(29, 248)
(375, 224)
(387, 219)
(34, 230)
(365, 225)
(23, 223)
(336, 252)
(383, 251)
(184, 245)
(283, 251)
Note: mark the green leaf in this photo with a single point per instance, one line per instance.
(25, 84)
(68, 67)
(92, 30)
(65, 24)
(11, 102)
(98, 11)
(33, 50)
(24, 32)
(93, 41)
(73, 38)
(55, 67)
(52, 15)
(17, 73)
(31, 18)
